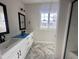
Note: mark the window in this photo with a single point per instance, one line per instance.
(48, 20)
(44, 20)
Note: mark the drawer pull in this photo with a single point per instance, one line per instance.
(18, 55)
(20, 52)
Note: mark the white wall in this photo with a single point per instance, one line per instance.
(64, 12)
(33, 14)
(13, 7)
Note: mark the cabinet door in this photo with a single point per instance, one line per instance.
(14, 55)
(11, 54)
(21, 49)
(24, 47)
(28, 44)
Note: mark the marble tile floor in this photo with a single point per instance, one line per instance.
(42, 51)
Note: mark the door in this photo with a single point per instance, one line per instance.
(71, 51)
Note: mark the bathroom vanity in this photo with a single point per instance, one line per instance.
(17, 48)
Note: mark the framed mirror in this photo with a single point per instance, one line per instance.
(22, 21)
(4, 29)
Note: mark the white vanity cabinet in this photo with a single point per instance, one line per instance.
(20, 50)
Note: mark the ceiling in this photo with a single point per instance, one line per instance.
(39, 1)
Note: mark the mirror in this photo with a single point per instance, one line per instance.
(4, 29)
(3, 20)
(22, 22)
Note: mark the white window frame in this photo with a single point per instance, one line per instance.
(49, 26)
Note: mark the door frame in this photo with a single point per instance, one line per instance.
(69, 27)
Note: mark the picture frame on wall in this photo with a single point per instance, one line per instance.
(22, 21)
